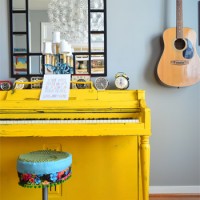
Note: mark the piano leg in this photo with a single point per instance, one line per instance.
(145, 165)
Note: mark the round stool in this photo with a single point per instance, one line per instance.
(43, 168)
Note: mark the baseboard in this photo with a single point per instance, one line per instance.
(174, 189)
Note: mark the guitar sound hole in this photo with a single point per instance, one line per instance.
(179, 44)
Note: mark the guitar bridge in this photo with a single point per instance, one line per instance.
(179, 62)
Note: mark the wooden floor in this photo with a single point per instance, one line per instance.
(174, 197)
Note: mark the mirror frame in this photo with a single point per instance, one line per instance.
(28, 54)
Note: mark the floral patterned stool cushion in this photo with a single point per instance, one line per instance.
(43, 168)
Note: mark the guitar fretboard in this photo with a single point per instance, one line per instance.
(179, 19)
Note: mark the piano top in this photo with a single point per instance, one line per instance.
(81, 99)
(76, 94)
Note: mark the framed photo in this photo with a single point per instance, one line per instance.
(97, 64)
(82, 64)
(20, 62)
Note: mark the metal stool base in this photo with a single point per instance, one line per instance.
(45, 193)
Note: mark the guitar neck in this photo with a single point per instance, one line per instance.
(179, 19)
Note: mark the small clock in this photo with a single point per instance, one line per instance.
(101, 83)
(80, 78)
(81, 86)
(5, 85)
(121, 81)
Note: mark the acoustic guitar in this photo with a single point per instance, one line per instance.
(179, 65)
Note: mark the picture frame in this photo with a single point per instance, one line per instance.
(97, 64)
(81, 64)
(20, 62)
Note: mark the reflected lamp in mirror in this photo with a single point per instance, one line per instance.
(58, 56)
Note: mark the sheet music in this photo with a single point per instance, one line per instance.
(55, 87)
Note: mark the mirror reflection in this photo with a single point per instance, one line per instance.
(46, 17)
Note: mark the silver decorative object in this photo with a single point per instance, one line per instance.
(70, 17)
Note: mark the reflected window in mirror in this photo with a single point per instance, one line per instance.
(30, 27)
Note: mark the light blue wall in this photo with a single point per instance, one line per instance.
(4, 41)
(134, 46)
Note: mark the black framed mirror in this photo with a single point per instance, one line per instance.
(30, 28)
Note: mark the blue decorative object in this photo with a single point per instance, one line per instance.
(60, 67)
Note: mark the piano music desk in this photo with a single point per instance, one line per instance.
(107, 133)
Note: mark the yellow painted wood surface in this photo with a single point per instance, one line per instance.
(83, 104)
(145, 165)
(104, 168)
(47, 130)
(107, 164)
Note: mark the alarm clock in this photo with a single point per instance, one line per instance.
(21, 85)
(121, 81)
(101, 83)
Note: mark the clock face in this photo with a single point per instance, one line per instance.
(121, 82)
(81, 85)
(80, 78)
(101, 83)
(5, 86)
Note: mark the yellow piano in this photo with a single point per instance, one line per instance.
(107, 133)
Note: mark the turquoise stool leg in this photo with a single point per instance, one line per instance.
(45, 193)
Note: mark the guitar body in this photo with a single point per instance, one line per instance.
(179, 65)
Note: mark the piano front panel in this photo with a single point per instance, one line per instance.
(70, 114)
(103, 168)
(46, 130)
